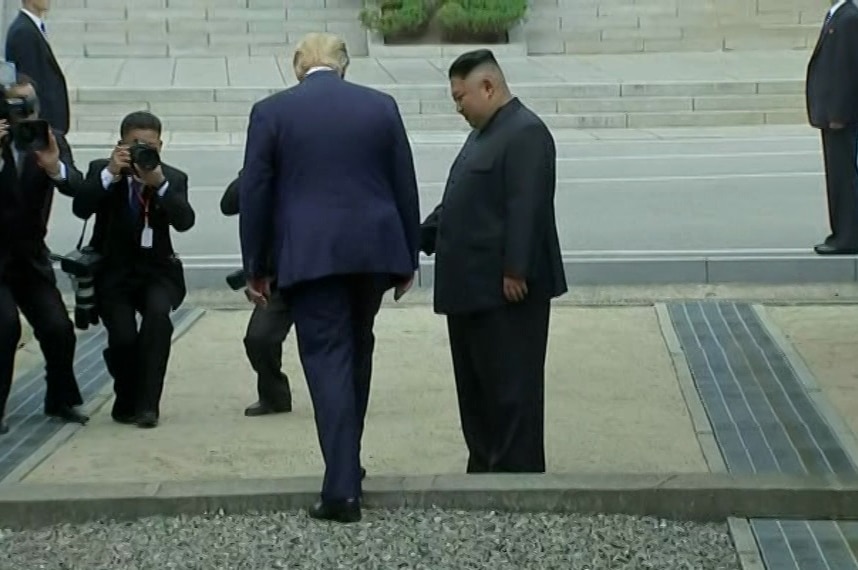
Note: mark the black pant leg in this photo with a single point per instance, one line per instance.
(118, 314)
(10, 337)
(509, 347)
(469, 392)
(367, 292)
(840, 149)
(263, 344)
(155, 341)
(35, 291)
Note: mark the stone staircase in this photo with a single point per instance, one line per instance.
(627, 26)
(206, 28)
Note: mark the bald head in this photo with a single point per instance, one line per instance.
(478, 86)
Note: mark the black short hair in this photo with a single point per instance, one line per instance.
(140, 120)
(469, 61)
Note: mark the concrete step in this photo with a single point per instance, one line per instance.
(161, 28)
(427, 107)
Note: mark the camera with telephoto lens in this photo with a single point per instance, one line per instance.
(27, 134)
(236, 280)
(144, 157)
(80, 266)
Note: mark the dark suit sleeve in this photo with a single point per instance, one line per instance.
(429, 230)
(846, 85)
(90, 192)
(74, 179)
(405, 184)
(229, 200)
(21, 49)
(180, 214)
(529, 180)
(256, 194)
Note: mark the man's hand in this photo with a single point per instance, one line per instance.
(151, 178)
(514, 289)
(402, 287)
(119, 159)
(4, 129)
(835, 125)
(258, 290)
(49, 159)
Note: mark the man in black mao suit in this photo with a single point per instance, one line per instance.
(832, 105)
(140, 272)
(28, 48)
(263, 341)
(498, 265)
(27, 282)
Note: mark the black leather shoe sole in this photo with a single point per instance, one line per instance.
(341, 511)
(827, 249)
(147, 420)
(69, 415)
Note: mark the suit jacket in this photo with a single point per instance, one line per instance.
(28, 49)
(496, 216)
(832, 72)
(331, 161)
(26, 200)
(117, 231)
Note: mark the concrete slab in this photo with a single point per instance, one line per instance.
(825, 338)
(697, 496)
(613, 405)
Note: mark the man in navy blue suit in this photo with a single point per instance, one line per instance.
(328, 186)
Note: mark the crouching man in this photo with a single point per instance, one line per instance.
(136, 200)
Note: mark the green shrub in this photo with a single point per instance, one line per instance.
(480, 16)
(396, 17)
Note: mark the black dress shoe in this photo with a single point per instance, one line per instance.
(260, 409)
(147, 420)
(831, 249)
(4, 428)
(362, 473)
(68, 414)
(347, 511)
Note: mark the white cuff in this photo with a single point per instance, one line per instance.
(107, 179)
(63, 176)
(163, 189)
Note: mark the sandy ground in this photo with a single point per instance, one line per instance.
(613, 405)
(827, 340)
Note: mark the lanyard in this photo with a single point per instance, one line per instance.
(138, 193)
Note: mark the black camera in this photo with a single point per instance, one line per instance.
(237, 280)
(144, 157)
(27, 134)
(81, 265)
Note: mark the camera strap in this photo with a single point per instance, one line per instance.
(82, 234)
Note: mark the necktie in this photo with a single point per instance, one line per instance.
(42, 27)
(136, 196)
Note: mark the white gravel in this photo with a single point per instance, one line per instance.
(384, 540)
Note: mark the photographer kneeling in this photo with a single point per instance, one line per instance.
(136, 200)
(33, 161)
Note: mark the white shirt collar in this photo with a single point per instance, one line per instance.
(36, 20)
(836, 7)
(318, 68)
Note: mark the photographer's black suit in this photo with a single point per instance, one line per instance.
(263, 340)
(29, 50)
(27, 278)
(832, 106)
(132, 279)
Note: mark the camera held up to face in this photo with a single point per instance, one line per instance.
(27, 133)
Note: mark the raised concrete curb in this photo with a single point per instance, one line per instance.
(703, 497)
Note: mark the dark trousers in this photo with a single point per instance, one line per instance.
(840, 151)
(137, 359)
(263, 343)
(499, 364)
(334, 319)
(29, 284)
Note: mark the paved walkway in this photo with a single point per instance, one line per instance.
(274, 72)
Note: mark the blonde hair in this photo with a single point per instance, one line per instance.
(320, 49)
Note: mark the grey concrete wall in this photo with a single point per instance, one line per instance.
(8, 9)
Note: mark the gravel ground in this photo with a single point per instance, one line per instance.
(385, 540)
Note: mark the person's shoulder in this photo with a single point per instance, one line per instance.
(19, 28)
(172, 171)
(99, 164)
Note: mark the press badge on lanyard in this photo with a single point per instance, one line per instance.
(146, 234)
